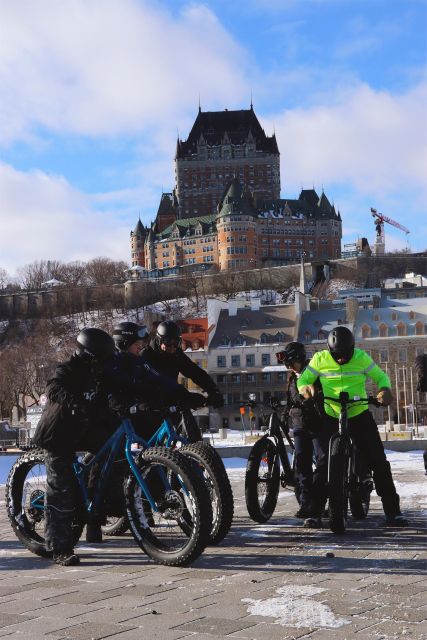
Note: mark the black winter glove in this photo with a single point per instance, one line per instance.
(215, 399)
(195, 400)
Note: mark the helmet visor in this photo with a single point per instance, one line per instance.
(142, 333)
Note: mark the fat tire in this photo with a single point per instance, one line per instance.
(337, 486)
(115, 526)
(22, 525)
(218, 485)
(200, 522)
(261, 511)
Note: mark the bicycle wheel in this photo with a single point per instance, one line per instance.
(25, 490)
(115, 526)
(218, 484)
(262, 480)
(361, 485)
(337, 485)
(178, 531)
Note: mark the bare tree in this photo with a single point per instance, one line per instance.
(105, 271)
(4, 278)
(73, 273)
(34, 274)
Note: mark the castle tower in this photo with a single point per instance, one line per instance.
(236, 227)
(137, 241)
(150, 258)
(221, 145)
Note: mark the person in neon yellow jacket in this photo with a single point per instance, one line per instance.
(341, 367)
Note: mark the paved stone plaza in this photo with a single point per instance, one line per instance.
(266, 582)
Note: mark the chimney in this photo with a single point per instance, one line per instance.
(351, 310)
(255, 304)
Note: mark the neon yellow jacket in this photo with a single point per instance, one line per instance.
(350, 377)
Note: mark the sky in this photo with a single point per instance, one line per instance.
(93, 94)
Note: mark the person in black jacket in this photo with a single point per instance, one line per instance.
(305, 421)
(165, 355)
(76, 417)
(142, 382)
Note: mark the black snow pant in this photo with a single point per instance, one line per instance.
(364, 433)
(304, 450)
(60, 501)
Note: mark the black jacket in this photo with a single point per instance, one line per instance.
(130, 380)
(77, 413)
(303, 414)
(171, 364)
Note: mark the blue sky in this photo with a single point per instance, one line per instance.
(93, 93)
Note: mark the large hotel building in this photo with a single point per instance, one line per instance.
(225, 211)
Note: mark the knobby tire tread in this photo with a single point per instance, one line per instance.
(337, 486)
(204, 454)
(203, 513)
(262, 512)
(13, 496)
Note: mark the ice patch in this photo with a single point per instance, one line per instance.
(262, 531)
(412, 490)
(293, 607)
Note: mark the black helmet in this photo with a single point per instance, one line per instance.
(95, 343)
(341, 343)
(168, 332)
(293, 352)
(126, 333)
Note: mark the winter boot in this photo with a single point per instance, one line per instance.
(66, 558)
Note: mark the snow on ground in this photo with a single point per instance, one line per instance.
(294, 607)
(336, 285)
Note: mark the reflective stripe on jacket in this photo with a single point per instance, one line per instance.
(350, 377)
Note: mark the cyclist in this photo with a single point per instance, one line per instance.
(305, 420)
(144, 383)
(165, 355)
(132, 382)
(131, 337)
(76, 417)
(341, 367)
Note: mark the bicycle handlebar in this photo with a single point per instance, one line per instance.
(344, 401)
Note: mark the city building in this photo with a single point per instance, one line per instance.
(225, 211)
(393, 332)
(242, 353)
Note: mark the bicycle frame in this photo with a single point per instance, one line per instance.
(344, 400)
(165, 436)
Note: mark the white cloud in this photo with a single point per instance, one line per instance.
(110, 66)
(43, 217)
(370, 140)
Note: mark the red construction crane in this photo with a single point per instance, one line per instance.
(379, 219)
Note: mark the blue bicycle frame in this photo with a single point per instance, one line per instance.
(164, 436)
